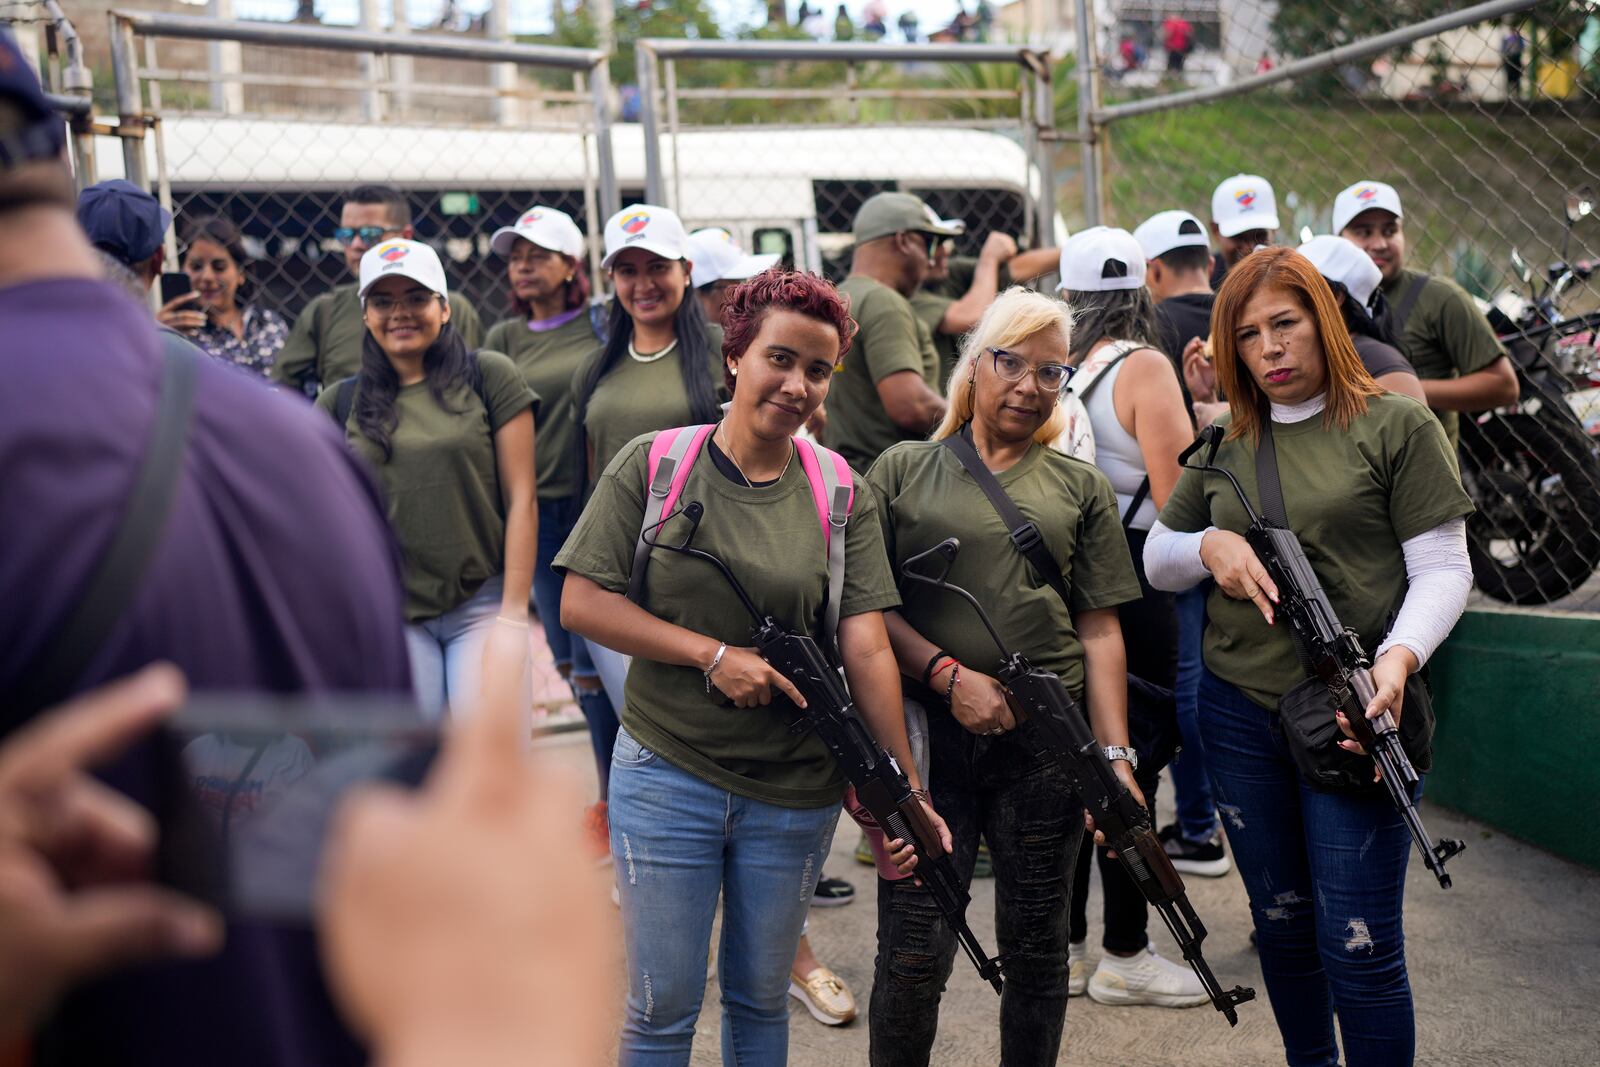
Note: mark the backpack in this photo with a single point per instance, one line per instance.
(1077, 439)
(344, 398)
(673, 453)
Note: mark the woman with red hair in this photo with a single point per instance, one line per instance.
(1370, 489)
(712, 794)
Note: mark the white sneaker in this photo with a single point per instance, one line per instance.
(1078, 968)
(1145, 979)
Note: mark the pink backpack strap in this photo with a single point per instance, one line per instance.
(833, 493)
(672, 455)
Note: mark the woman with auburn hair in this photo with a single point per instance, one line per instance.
(712, 794)
(1370, 488)
(1004, 395)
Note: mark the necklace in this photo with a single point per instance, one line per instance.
(653, 356)
(727, 450)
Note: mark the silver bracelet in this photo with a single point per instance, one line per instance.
(716, 661)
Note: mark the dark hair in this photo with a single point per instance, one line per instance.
(222, 231)
(399, 207)
(577, 289)
(1118, 314)
(446, 362)
(779, 288)
(694, 359)
(1186, 259)
(1358, 320)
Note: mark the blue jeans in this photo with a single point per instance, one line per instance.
(678, 842)
(1325, 873)
(557, 517)
(445, 649)
(1191, 790)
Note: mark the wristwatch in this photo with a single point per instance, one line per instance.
(1116, 752)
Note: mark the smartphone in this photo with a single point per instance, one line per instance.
(174, 283)
(248, 785)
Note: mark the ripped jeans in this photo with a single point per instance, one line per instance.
(678, 843)
(1033, 824)
(1325, 873)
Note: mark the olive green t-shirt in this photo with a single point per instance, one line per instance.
(1352, 497)
(1446, 335)
(771, 539)
(925, 495)
(635, 398)
(441, 485)
(548, 360)
(324, 345)
(891, 339)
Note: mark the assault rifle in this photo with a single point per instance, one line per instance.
(1054, 726)
(1332, 653)
(881, 788)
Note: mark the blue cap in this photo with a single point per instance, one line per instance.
(123, 220)
(41, 133)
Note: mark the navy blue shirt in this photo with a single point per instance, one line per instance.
(276, 572)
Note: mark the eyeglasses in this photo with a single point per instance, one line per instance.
(1011, 368)
(370, 234)
(414, 302)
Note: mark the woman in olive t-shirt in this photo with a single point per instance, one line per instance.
(1005, 393)
(712, 793)
(1371, 491)
(450, 435)
(548, 338)
(660, 365)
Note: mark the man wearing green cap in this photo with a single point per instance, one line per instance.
(887, 389)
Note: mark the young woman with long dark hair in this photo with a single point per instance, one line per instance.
(1370, 489)
(450, 434)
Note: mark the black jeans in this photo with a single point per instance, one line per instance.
(1150, 635)
(996, 788)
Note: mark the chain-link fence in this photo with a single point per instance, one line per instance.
(1483, 118)
(781, 141)
(269, 124)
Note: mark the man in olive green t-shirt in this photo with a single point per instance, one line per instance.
(324, 346)
(886, 390)
(1449, 342)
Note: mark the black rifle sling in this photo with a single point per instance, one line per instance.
(1268, 487)
(119, 574)
(1024, 534)
(1403, 312)
(1127, 348)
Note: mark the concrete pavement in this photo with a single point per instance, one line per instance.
(1505, 967)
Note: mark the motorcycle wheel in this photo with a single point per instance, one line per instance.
(1536, 482)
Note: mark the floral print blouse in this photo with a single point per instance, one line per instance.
(256, 349)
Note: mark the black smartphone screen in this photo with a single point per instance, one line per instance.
(174, 283)
(249, 784)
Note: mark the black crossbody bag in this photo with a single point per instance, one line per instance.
(1152, 708)
(1306, 712)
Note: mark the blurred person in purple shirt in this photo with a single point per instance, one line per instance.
(268, 566)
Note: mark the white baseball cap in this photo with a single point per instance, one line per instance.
(544, 226)
(1101, 259)
(655, 229)
(1341, 260)
(1161, 233)
(950, 227)
(406, 259)
(1244, 202)
(717, 257)
(1361, 196)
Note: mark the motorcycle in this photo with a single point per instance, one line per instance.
(1533, 469)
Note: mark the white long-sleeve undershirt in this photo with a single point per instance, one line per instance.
(1438, 571)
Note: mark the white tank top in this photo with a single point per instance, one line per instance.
(1116, 452)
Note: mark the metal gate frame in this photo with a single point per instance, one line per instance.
(1036, 113)
(589, 67)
